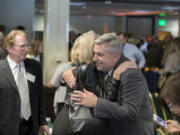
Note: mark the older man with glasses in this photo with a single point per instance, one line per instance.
(22, 110)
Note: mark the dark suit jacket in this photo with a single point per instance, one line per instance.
(10, 98)
(132, 113)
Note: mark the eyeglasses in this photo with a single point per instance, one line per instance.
(170, 105)
(22, 46)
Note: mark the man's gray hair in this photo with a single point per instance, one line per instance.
(111, 40)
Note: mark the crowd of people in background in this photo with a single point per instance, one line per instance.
(155, 58)
(145, 51)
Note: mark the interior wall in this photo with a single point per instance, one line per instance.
(172, 25)
(84, 23)
(39, 22)
(101, 24)
(141, 26)
(17, 12)
(120, 23)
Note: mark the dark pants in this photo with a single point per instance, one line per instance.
(26, 127)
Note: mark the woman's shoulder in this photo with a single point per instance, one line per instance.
(30, 56)
(66, 64)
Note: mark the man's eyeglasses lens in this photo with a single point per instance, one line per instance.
(23, 46)
(170, 105)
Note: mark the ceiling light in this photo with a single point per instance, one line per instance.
(108, 2)
(84, 7)
(77, 3)
(171, 8)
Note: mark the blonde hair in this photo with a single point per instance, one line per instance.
(133, 40)
(34, 46)
(10, 38)
(82, 50)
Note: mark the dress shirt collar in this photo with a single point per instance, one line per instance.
(13, 64)
(110, 72)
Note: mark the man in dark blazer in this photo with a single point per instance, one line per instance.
(12, 120)
(131, 112)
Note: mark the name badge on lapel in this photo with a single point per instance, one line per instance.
(31, 77)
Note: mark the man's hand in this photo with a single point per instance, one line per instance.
(122, 68)
(44, 128)
(69, 78)
(84, 98)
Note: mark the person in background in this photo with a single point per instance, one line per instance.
(171, 57)
(2, 50)
(56, 82)
(154, 54)
(169, 96)
(36, 50)
(1, 39)
(131, 112)
(72, 38)
(2, 28)
(144, 45)
(21, 99)
(134, 41)
(131, 51)
(140, 42)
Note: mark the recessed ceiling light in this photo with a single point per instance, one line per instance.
(108, 2)
(84, 7)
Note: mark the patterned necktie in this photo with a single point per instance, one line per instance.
(24, 94)
(106, 77)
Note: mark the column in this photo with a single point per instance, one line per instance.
(178, 24)
(56, 28)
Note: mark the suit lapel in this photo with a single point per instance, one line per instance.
(6, 70)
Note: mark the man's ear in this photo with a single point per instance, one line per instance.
(116, 56)
(8, 48)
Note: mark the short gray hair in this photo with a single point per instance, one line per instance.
(112, 41)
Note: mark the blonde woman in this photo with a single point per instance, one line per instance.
(81, 53)
(35, 49)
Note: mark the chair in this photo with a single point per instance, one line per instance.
(160, 111)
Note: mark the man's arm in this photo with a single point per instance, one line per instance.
(130, 98)
(133, 88)
(140, 58)
(43, 126)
